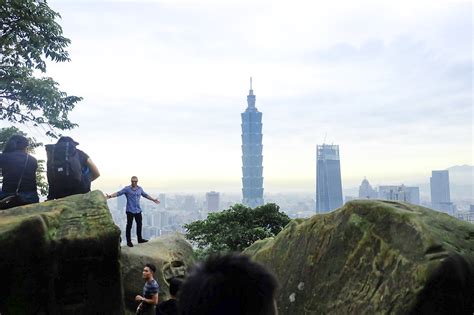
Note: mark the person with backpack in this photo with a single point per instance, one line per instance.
(133, 211)
(19, 174)
(70, 171)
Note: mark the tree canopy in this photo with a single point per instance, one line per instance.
(236, 228)
(29, 36)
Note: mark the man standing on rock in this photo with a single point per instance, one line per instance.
(133, 194)
(149, 298)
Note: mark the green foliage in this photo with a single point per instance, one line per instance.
(29, 35)
(5, 134)
(236, 228)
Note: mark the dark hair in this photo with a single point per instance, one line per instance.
(175, 285)
(231, 284)
(449, 288)
(151, 267)
(15, 143)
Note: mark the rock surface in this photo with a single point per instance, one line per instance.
(372, 257)
(171, 254)
(60, 257)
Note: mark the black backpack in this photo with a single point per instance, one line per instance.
(64, 170)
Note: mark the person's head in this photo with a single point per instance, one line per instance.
(231, 284)
(67, 139)
(148, 271)
(16, 143)
(134, 181)
(175, 285)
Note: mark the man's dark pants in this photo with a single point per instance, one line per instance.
(138, 221)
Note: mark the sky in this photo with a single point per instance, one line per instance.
(164, 83)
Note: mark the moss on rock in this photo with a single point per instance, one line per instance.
(60, 257)
(371, 257)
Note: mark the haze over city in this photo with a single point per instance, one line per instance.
(164, 83)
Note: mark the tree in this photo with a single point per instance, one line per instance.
(5, 134)
(236, 228)
(29, 35)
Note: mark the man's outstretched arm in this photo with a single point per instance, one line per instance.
(147, 196)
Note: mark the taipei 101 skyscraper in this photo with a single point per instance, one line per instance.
(252, 169)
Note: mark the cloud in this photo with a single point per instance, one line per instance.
(164, 83)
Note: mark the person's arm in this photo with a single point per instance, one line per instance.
(93, 168)
(153, 300)
(147, 196)
(115, 194)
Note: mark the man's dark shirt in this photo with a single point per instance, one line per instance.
(12, 165)
(169, 307)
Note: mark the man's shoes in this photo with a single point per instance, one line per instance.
(129, 244)
(142, 240)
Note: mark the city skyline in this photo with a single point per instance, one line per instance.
(163, 88)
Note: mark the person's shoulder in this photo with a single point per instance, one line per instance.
(167, 307)
(154, 284)
(6, 157)
(31, 157)
(82, 153)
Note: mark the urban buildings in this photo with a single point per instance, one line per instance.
(400, 193)
(366, 191)
(162, 198)
(252, 159)
(212, 201)
(328, 178)
(466, 215)
(189, 203)
(440, 195)
(390, 192)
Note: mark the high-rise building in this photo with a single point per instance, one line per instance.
(189, 203)
(212, 201)
(414, 195)
(400, 193)
(162, 198)
(328, 178)
(252, 159)
(366, 191)
(440, 195)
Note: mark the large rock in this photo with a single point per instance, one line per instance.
(373, 257)
(171, 254)
(60, 257)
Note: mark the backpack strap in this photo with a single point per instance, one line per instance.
(22, 173)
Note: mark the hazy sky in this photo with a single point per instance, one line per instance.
(164, 83)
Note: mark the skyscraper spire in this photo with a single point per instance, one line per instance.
(251, 97)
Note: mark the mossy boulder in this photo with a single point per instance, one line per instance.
(171, 254)
(372, 257)
(60, 257)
